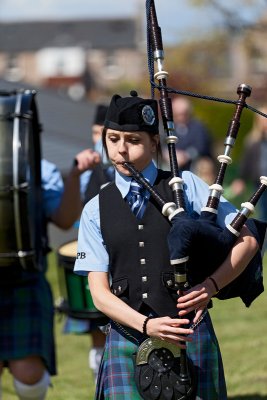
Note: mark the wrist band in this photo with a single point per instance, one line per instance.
(145, 324)
(214, 283)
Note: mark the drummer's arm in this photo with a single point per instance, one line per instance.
(70, 206)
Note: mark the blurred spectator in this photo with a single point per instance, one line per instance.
(253, 163)
(205, 168)
(194, 140)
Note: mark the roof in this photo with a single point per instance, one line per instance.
(89, 34)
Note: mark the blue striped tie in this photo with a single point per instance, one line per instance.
(136, 198)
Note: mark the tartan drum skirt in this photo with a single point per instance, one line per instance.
(26, 318)
(116, 375)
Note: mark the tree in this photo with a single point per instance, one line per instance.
(249, 11)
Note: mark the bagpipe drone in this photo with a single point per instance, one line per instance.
(197, 247)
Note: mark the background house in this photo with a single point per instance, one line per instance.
(81, 57)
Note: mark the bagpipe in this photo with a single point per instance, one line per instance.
(197, 247)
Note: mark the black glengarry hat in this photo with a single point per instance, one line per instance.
(132, 114)
(100, 114)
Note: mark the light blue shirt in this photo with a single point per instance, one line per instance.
(52, 187)
(93, 255)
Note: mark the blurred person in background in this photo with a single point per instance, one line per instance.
(194, 140)
(253, 163)
(205, 168)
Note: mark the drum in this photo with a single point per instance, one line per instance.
(20, 181)
(76, 300)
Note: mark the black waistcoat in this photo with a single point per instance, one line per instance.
(139, 257)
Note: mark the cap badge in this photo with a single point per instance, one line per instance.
(148, 115)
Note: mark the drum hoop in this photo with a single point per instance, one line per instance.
(64, 308)
(20, 254)
(86, 315)
(15, 144)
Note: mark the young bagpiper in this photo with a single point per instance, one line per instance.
(122, 246)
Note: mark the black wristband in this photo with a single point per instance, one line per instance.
(145, 324)
(214, 283)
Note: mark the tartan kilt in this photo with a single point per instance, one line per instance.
(116, 374)
(26, 320)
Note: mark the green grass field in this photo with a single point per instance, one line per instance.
(242, 333)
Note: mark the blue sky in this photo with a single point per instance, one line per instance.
(178, 18)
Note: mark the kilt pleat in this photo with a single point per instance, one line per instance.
(205, 353)
(116, 375)
(26, 317)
